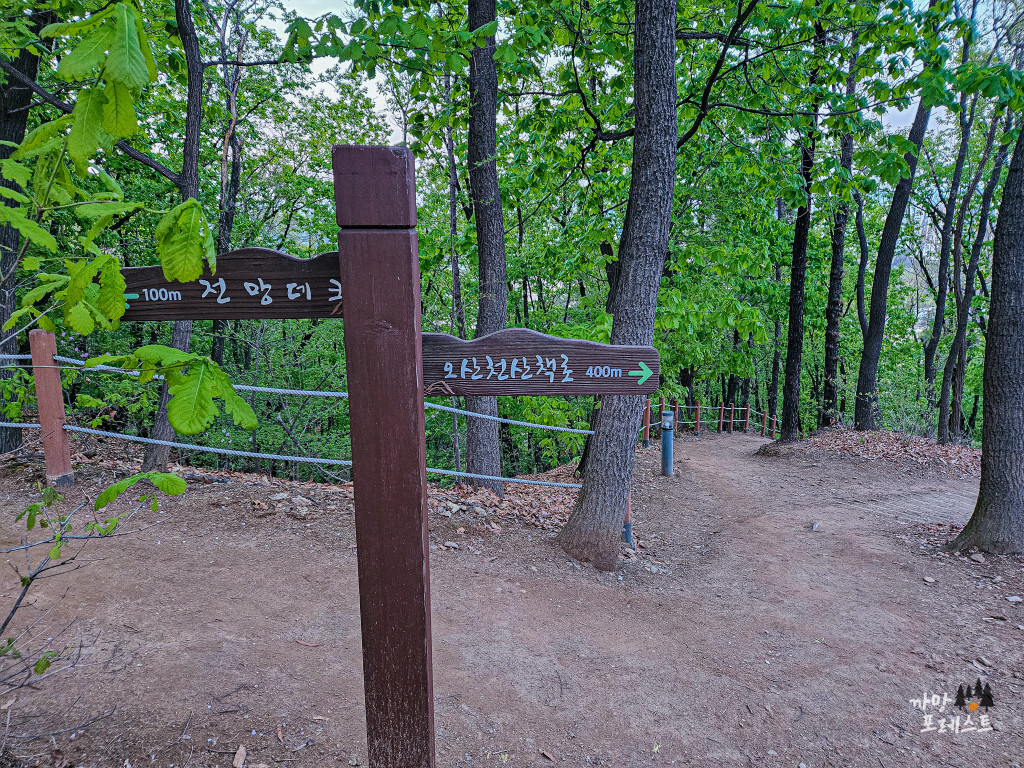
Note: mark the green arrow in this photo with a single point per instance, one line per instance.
(644, 373)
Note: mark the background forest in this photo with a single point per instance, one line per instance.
(820, 145)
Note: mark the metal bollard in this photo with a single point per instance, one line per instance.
(667, 430)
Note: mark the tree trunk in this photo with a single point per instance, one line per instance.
(482, 438)
(866, 405)
(931, 347)
(593, 530)
(959, 344)
(790, 428)
(155, 458)
(997, 524)
(773, 387)
(14, 109)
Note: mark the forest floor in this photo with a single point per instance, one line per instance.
(783, 609)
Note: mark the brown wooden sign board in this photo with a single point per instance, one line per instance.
(391, 365)
(250, 283)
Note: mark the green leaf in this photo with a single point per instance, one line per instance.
(170, 484)
(16, 172)
(147, 50)
(126, 63)
(63, 29)
(119, 119)
(16, 218)
(112, 286)
(43, 662)
(113, 208)
(183, 238)
(30, 263)
(87, 130)
(10, 194)
(234, 405)
(40, 136)
(54, 555)
(191, 408)
(79, 318)
(83, 60)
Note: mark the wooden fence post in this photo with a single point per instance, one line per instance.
(675, 414)
(375, 197)
(732, 415)
(50, 398)
(697, 426)
(764, 424)
(721, 417)
(773, 427)
(647, 424)
(746, 420)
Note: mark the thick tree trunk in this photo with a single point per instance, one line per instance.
(155, 458)
(482, 437)
(958, 347)
(866, 405)
(592, 532)
(997, 524)
(834, 307)
(14, 109)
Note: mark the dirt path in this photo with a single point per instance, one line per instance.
(779, 616)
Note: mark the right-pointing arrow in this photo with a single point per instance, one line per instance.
(644, 373)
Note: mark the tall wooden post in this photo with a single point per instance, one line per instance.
(375, 195)
(746, 420)
(50, 399)
(764, 424)
(697, 427)
(732, 415)
(721, 417)
(773, 427)
(675, 415)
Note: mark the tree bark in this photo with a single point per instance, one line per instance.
(14, 109)
(593, 530)
(773, 386)
(931, 347)
(866, 404)
(156, 456)
(482, 437)
(959, 344)
(834, 307)
(790, 428)
(997, 524)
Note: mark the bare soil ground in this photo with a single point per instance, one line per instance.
(783, 609)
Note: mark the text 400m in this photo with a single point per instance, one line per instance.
(160, 294)
(604, 372)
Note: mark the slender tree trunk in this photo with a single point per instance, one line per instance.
(593, 530)
(14, 111)
(997, 524)
(790, 428)
(866, 406)
(959, 344)
(156, 456)
(834, 308)
(862, 266)
(931, 347)
(483, 445)
(773, 387)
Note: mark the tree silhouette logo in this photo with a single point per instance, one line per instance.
(972, 699)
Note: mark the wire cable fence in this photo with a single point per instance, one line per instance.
(72, 363)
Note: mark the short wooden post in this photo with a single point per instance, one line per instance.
(647, 424)
(721, 417)
(773, 427)
(375, 197)
(697, 425)
(732, 415)
(764, 423)
(746, 420)
(50, 398)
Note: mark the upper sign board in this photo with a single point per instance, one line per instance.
(250, 283)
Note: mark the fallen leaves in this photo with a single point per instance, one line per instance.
(953, 459)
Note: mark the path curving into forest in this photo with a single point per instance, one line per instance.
(743, 635)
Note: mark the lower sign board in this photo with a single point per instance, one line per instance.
(518, 361)
(259, 284)
(250, 283)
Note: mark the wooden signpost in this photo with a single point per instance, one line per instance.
(391, 366)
